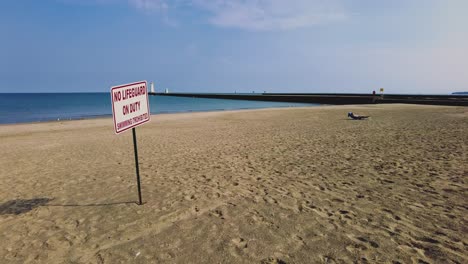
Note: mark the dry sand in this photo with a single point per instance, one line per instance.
(298, 185)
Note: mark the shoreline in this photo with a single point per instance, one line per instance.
(109, 116)
(104, 116)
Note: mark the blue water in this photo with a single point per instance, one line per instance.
(38, 107)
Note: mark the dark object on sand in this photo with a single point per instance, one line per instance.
(356, 117)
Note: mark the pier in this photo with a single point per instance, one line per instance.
(333, 98)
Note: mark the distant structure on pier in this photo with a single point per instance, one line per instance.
(166, 91)
(152, 87)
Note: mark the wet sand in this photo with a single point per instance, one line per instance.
(296, 185)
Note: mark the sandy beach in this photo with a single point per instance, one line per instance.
(294, 185)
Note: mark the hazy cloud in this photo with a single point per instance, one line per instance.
(256, 14)
(150, 4)
(271, 14)
(147, 5)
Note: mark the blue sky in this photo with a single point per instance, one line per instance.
(405, 46)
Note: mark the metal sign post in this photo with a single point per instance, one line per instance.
(130, 108)
(137, 166)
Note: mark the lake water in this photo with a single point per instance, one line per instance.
(38, 107)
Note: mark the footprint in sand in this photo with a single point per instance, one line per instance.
(238, 246)
(370, 242)
(257, 218)
(356, 247)
(297, 242)
(218, 213)
(272, 261)
(190, 197)
(270, 200)
(393, 215)
(360, 240)
(239, 243)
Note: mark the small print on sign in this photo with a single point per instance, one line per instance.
(130, 106)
